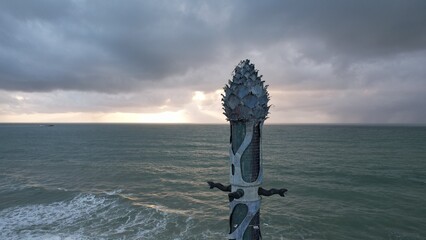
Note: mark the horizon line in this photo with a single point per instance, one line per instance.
(225, 123)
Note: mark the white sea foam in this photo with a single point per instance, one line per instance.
(114, 192)
(87, 216)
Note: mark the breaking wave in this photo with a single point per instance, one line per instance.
(86, 216)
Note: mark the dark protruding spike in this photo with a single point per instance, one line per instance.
(263, 192)
(236, 195)
(219, 186)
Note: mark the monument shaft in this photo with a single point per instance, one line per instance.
(245, 103)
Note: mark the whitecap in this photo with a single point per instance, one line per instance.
(86, 216)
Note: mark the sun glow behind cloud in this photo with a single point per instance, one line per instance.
(161, 117)
(57, 107)
(115, 117)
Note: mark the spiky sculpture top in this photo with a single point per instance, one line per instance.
(246, 97)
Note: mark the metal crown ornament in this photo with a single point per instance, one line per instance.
(246, 98)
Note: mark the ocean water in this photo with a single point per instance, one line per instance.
(88, 181)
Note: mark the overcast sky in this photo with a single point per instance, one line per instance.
(333, 61)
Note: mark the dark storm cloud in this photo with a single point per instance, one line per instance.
(110, 46)
(143, 47)
(353, 28)
(98, 45)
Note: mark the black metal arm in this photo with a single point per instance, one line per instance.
(235, 195)
(272, 191)
(219, 186)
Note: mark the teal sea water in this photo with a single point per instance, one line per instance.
(87, 181)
